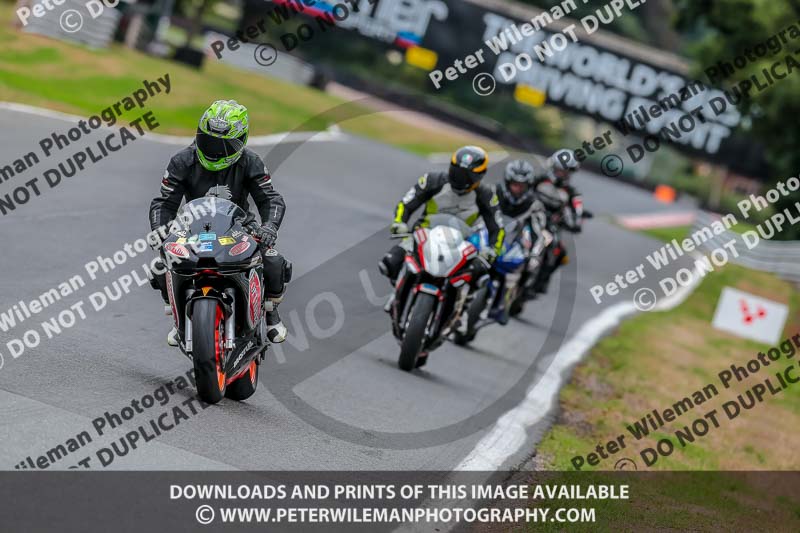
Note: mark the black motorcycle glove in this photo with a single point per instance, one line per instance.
(266, 234)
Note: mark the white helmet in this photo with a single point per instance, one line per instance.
(561, 165)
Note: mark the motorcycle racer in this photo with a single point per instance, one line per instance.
(516, 192)
(518, 200)
(218, 164)
(563, 204)
(458, 192)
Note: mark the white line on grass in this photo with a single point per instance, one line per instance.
(333, 134)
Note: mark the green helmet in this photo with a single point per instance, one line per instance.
(222, 134)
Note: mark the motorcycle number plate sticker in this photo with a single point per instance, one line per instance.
(208, 237)
(206, 246)
(226, 241)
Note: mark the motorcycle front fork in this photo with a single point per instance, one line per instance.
(230, 324)
(458, 308)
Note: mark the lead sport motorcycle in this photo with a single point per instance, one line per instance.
(432, 288)
(215, 283)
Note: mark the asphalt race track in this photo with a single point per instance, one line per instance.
(329, 402)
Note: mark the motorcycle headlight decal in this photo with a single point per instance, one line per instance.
(178, 250)
(412, 265)
(470, 251)
(240, 248)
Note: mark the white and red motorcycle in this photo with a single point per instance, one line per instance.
(432, 288)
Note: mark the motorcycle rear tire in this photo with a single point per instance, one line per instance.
(414, 336)
(517, 306)
(245, 385)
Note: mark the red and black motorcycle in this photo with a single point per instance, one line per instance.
(215, 282)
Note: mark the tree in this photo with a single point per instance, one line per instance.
(646, 24)
(196, 10)
(734, 28)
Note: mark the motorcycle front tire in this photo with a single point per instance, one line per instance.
(414, 336)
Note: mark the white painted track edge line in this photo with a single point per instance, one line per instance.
(509, 434)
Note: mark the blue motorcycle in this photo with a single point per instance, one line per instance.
(502, 293)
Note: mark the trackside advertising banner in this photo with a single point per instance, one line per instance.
(539, 61)
(540, 64)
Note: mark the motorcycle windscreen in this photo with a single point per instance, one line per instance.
(450, 221)
(210, 215)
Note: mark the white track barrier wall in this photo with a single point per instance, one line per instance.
(779, 257)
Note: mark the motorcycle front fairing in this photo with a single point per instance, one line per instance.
(432, 265)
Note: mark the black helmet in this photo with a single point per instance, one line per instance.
(561, 165)
(517, 184)
(467, 168)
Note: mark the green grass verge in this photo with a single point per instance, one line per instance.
(654, 359)
(72, 78)
(650, 362)
(667, 234)
(681, 232)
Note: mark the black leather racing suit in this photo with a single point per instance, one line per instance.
(528, 205)
(186, 178)
(532, 212)
(564, 207)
